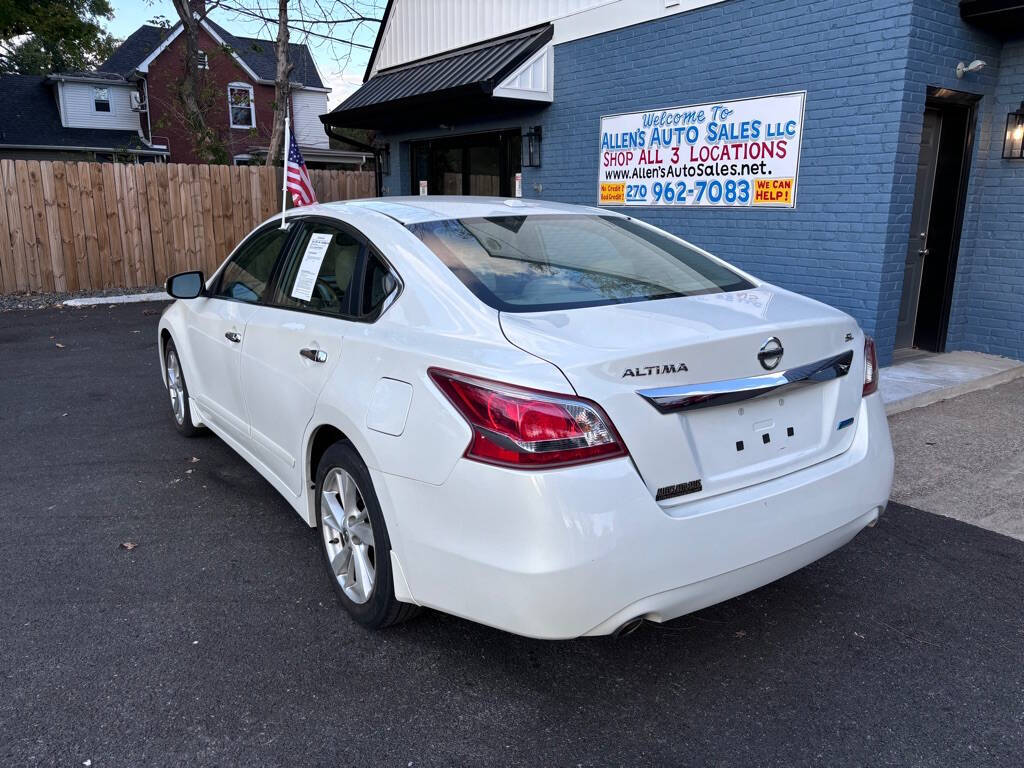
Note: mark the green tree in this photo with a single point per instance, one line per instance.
(42, 36)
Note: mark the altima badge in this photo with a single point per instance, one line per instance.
(655, 370)
(771, 354)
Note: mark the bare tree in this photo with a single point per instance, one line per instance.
(335, 24)
(282, 88)
(207, 144)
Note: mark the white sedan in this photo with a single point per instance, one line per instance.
(547, 418)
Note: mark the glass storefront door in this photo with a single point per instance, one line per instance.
(474, 164)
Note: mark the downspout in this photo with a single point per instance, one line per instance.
(145, 96)
(377, 153)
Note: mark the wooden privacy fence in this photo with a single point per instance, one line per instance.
(69, 226)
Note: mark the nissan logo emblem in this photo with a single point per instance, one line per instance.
(771, 354)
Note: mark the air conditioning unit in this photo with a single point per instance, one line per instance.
(138, 105)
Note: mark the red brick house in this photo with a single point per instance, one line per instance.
(237, 92)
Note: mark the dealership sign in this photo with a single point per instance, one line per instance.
(725, 153)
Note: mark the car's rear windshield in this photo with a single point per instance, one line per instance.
(546, 262)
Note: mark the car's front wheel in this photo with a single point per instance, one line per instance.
(178, 390)
(354, 540)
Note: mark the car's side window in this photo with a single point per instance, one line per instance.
(378, 284)
(321, 275)
(247, 275)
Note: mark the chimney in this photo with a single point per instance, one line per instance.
(198, 7)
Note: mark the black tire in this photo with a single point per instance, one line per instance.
(381, 609)
(183, 425)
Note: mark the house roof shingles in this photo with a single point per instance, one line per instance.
(135, 48)
(31, 119)
(257, 54)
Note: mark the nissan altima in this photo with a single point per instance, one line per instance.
(550, 419)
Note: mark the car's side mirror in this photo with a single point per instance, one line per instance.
(185, 285)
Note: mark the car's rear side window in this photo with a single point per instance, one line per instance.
(328, 286)
(546, 262)
(247, 275)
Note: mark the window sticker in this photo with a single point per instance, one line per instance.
(309, 269)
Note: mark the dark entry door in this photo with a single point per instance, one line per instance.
(917, 251)
(474, 164)
(936, 219)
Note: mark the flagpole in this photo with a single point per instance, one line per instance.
(284, 176)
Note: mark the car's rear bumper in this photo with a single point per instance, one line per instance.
(584, 550)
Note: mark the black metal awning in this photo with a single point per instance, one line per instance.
(1003, 18)
(452, 84)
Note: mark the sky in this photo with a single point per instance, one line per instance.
(340, 65)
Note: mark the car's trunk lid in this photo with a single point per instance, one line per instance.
(610, 353)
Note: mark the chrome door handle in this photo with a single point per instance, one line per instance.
(316, 355)
(233, 336)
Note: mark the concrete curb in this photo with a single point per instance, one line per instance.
(91, 301)
(947, 393)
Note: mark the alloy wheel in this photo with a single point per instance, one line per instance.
(348, 535)
(176, 386)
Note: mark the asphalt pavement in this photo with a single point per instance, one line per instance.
(215, 638)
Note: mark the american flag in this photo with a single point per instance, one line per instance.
(298, 177)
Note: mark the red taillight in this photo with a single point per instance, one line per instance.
(519, 427)
(870, 366)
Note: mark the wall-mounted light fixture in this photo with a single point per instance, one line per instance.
(969, 69)
(1013, 143)
(531, 147)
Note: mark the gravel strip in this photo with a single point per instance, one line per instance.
(16, 301)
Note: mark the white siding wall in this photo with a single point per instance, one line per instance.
(77, 109)
(419, 28)
(307, 106)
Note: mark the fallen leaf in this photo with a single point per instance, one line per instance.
(188, 471)
(129, 545)
(59, 345)
(193, 460)
(741, 633)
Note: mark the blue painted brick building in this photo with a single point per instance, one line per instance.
(893, 140)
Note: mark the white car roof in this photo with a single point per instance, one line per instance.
(411, 210)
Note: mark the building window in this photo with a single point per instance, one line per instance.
(101, 99)
(241, 106)
(202, 61)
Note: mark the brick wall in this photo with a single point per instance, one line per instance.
(938, 42)
(165, 73)
(987, 312)
(849, 57)
(866, 66)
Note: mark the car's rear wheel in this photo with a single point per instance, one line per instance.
(178, 390)
(354, 540)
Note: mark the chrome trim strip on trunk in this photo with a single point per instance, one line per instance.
(690, 397)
